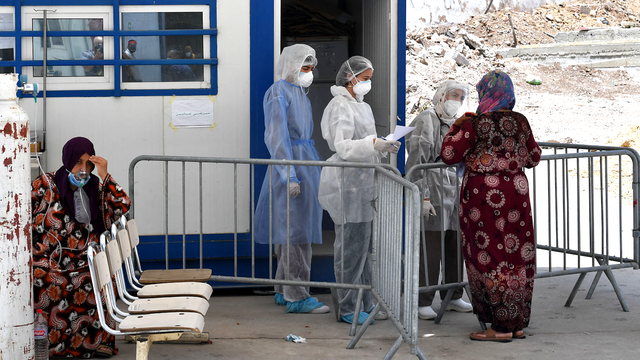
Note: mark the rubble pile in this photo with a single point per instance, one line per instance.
(568, 104)
(465, 52)
(541, 25)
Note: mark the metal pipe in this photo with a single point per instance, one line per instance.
(200, 212)
(184, 216)
(166, 214)
(253, 216)
(44, 78)
(235, 219)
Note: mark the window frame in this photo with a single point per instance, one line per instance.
(206, 47)
(104, 82)
(107, 86)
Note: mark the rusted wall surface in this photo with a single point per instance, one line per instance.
(431, 12)
(16, 317)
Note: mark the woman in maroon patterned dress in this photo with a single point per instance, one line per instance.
(495, 211)
(70, 209)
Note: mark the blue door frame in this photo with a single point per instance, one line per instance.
(262, 66)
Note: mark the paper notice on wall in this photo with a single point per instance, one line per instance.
(192, 113)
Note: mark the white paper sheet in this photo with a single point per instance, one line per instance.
(192, 113)
(399, 132)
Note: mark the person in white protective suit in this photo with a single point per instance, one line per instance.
(288, 129)
(439, 192)
(348, 193)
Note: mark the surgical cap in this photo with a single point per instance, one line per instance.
(292, 59)
(352, 68)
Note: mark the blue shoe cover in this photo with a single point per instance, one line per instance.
(280, 299)
(361, 319)
(303, 306)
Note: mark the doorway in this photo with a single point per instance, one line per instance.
(337, 30)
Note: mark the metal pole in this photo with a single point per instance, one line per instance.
(16, 321)
(184, 217)
(200, 212)
(44, 78)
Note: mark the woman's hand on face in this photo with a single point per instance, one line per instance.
(101, 165)
(461, 120)
(39, 249)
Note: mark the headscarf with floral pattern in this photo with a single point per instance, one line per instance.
(495, 92)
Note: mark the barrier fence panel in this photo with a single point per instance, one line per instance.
(390, 258)
(586, 219)
(585, 215)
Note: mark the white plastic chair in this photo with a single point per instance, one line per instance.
(157, 276)
(145, 328)
(202, 290)
(151, 305)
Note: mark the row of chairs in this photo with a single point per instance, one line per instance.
(158, 312)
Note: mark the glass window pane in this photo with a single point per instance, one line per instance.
(7, 44)
(69, 47)
(157, 48)
(161, 20)
(163, 73)
(162, 47)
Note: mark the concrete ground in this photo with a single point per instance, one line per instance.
(243, 325)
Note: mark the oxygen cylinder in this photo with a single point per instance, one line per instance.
(17, 317)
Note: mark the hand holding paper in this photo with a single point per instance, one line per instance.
(399, 132)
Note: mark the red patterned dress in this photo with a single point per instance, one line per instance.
(61, 280)
(495, 214)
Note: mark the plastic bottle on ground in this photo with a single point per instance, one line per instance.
(41, 336)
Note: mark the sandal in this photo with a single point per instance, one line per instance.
(104, 351)
(491, 335)
(519, 334)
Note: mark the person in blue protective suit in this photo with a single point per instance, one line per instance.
(288, 128)
(347, 194)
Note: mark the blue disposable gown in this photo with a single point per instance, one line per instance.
(288, 129)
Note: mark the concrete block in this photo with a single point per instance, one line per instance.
(437, 50)
(575, 52)
(473, 41)
(585, 9)
(607, 34)
(461, 60)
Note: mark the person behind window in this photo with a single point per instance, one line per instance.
(197, 69)
(96, 53)
(130, 72)
(288, 129)
(347, 194)
(188, 53)
(496, 224)
(70, 209)
(439, 194)
(180, 72)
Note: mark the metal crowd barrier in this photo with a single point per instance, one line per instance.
(590, 224)
(394, 242)
(585, 221)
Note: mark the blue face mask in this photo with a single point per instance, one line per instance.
(84, 178)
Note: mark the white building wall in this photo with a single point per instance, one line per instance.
(429, 12)
(126, 127)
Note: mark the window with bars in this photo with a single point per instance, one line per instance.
(132, 48)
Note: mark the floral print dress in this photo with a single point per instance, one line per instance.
(62, 285)
(495, 214)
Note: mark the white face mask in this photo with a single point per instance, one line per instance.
(451, 107)
(305, 79)
(362, 87)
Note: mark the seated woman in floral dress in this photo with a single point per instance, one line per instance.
(70, 209)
